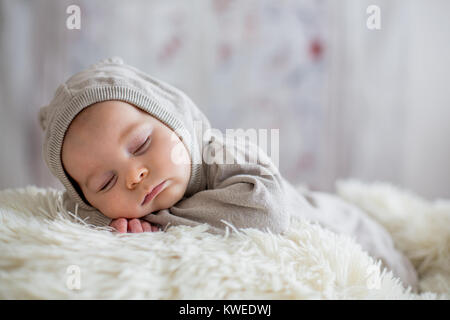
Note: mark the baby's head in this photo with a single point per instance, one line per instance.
(114, 133)
(116, 154)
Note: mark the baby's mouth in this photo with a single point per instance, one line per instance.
(152, 194)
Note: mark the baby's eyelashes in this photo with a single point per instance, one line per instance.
(146, 142)
(108, 183)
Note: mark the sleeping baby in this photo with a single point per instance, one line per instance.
(137, 154)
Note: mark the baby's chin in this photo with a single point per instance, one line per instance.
(141, 214)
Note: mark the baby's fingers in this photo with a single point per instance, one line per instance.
(155, 228)
(150, 227)
(147, 227)
(121, 225)
(134, 226)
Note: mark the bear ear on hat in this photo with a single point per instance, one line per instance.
(111, 60)
(43, 117)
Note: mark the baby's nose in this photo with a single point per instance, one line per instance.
(136, 177)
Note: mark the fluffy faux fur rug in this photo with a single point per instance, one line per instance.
(420, 229)
(46, 254)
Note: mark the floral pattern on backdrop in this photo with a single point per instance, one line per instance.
(247, 64)
(348, 101)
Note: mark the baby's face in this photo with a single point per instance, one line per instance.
(117, 153)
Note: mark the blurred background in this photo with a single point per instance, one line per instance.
(349, 102)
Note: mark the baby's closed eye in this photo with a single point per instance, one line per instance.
(143, 146)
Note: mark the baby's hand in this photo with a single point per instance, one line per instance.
(123, 225)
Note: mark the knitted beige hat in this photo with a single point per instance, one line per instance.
(111, 79)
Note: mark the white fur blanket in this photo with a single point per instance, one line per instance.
(46, 254)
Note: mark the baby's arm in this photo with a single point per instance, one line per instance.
(247, 195)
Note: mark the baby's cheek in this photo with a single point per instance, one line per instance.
(110, 213)
(113, 208)
(177, 155)
(171, 196)
(126, 210)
